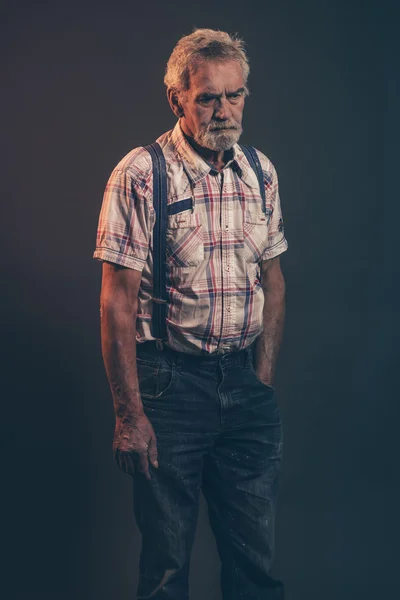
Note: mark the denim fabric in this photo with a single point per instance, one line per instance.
(218, 429)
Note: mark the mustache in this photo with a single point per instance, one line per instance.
(217, 126)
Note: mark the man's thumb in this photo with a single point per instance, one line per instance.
(153, 454)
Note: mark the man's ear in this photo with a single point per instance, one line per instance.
(174, 103)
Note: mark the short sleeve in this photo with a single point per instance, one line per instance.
(277, 242)
(123, 234)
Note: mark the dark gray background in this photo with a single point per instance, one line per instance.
(81, 86)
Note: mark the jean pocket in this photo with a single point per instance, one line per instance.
(253, 373)
(155, 377)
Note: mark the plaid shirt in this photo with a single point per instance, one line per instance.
(216, 237)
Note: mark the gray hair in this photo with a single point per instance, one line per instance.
(203, 45)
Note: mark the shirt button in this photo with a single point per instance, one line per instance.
(228, 268)
(228, 308)
(226, 227)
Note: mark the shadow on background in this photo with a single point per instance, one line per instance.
(82, 85)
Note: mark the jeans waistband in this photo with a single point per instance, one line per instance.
(230, 359)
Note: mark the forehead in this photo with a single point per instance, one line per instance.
(216, 76)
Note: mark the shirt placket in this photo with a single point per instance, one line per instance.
(227, 258)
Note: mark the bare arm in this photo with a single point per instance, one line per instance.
(134, 438)
(269, 341)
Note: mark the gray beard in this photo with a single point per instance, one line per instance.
(218, 140)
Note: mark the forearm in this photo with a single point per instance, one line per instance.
(269, 341)
(118, 339)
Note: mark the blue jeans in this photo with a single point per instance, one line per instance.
(218, 429)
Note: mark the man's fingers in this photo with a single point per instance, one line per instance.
(124, 462)
(144, 464)
(138, 460)
(152, 450)
(117, 456)
(129, 465)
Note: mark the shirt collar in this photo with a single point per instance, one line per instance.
(197, 168)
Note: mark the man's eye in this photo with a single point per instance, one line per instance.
(205, 100)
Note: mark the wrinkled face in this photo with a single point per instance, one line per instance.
(213, 105)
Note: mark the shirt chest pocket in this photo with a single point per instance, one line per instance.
(255, 234)
(185, 243)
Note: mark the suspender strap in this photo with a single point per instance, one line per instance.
(254, 161)
(159, 313)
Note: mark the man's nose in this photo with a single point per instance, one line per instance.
(223, 110)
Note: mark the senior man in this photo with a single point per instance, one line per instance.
(192, 312)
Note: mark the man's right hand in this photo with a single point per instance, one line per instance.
(135, 444)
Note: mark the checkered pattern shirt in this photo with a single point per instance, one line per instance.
(217, 235)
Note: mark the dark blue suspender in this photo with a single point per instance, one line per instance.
(252, 157)
(159, 316)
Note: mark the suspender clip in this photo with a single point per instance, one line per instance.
(159, 300)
